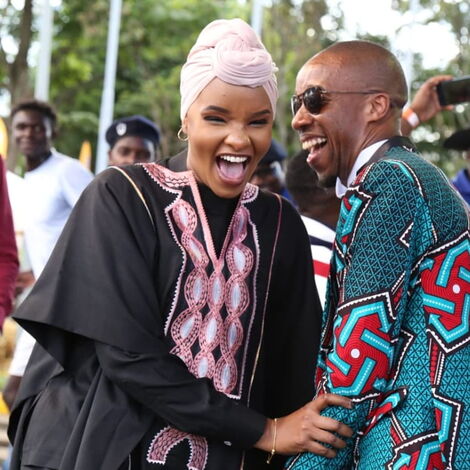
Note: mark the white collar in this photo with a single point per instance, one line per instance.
(363, 157)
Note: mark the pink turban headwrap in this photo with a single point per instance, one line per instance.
(231, 51)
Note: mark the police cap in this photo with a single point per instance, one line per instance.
(137, 126)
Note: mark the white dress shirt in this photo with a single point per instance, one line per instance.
(364, 156)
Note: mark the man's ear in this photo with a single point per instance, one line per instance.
(379, 105)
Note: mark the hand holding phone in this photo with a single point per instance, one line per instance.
(454, 91)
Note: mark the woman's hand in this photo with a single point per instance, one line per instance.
(305, 430)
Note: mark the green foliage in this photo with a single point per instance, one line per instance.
(430, 136)
(294, 32)
(155, 38)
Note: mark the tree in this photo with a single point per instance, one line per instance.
(16, 28)
(154, 41)
(429, 137)
(293, 32)
(16, 25)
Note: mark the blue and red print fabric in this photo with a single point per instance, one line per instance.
(396, 333)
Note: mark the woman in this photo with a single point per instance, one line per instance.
(178, 310)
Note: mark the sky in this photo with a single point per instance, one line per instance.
(406, 31)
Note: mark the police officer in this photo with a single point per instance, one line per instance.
(132, 139)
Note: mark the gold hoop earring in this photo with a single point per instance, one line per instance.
(183, 138)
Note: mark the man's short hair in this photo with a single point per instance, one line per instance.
(39, 106)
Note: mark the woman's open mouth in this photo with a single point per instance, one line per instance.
(232, 168)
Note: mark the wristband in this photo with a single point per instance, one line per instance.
(411, 117)
(273, 450)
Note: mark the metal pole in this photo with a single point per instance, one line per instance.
(409, 54)
(41, 89)
(107, 98)
(257, 16)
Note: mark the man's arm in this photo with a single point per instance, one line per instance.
(425, 105)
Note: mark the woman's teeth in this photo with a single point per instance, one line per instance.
(232, 167)
(233, 158)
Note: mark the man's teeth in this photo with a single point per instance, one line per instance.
(315, 143)
(233, 159)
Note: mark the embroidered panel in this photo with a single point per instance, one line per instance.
(210, 315)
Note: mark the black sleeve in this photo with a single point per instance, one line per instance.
(162, 383)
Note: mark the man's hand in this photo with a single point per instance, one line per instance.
(305, 430)
(426, 102)
(23, 281)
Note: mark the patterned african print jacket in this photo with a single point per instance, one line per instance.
(396, 336)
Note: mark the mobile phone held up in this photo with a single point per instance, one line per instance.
(454, 91)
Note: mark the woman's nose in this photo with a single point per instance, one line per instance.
(238, 139)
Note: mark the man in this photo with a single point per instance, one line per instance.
(8, 253)
(53, 183)
(132, 139)
(396, 328)
(269, 173)
(460, 140)
(319, 209)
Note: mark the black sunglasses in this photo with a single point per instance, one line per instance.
(314, 98)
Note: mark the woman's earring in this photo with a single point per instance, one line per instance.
(181, 135)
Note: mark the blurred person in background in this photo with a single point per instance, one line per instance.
(319, 209)
(424, 106)
(8, 250)
(52, 182)
(460, 140)
(132, 139)
(269, 173)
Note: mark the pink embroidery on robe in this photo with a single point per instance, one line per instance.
(168, 438)
(190, 329)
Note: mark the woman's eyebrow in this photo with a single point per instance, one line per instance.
(262, 113)
(218, 109)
